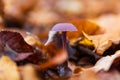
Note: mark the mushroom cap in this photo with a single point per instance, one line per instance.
(64, 27)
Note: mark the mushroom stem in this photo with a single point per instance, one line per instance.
(64, 39)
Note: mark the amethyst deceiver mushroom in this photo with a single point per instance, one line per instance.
(64, 27)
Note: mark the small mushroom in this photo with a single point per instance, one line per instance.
(64, 27)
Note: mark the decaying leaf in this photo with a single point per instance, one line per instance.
(13, 45)
(83, 25)
(110, 33)
(105, 62)
(88, 74)
(113, 48)
(1, 8)
(85, 75)
(101, 70)
(15, 41)
(84, 41)
(92, 53)
(103, 47)
(84, 51)
(111, 75)
(33, 40)
(91, 75)
(101, 42)
(28, 73)
(14, 55)
(8, 69)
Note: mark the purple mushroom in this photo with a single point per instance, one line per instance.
(64, 27)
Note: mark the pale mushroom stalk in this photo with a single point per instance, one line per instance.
(50, 38)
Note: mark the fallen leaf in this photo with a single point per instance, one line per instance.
(8, 69)
(28, 73)
(85, 75)
(13, 45)
(88, 75)
(111, 75)
(83, 25)
(1, 8)
(106, 62)
(33, 40)
(113, 48)
(101, 42)
(14, 55)
(103, 47)
(15, 41)
(84, 41)
(100, 71)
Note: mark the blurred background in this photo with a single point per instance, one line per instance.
(38, 16)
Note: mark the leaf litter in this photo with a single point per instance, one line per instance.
(95, 52)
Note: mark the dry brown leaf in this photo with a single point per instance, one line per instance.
(75, 7)
(13, 45)
(41, 19)
(100, 71)
(33, 40)
(83, 25)
(105, 62)
(103, 41)
(111, 26)
(1, 8)
(16, 9)
(89, 74)
(103, 47)
(85, 75)
(28, 73)
(8, 69)
(109, 22)
(111, 75)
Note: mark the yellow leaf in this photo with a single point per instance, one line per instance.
(8, 69)
(28, 73)
(85, 41)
